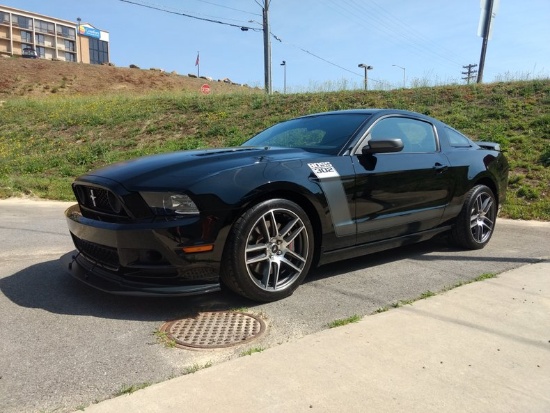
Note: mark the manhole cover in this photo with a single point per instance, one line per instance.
(215, 329)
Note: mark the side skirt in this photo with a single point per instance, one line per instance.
(363, 249)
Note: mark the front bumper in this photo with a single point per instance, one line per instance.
(96, 277)
(143, 258)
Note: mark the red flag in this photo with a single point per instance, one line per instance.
(197, 61)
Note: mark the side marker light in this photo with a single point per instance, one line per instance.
(197, 248)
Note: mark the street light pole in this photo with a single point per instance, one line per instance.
(284, 66)
(366, 67)
(403, 69)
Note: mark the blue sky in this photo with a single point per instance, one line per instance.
(322, 41)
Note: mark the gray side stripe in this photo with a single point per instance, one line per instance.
(338, 206)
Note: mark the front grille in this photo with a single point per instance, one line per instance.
(93, 197)
(100, 254)
(99, 203)
(101, 199)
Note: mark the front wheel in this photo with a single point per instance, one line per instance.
(476, 222)
(269, 251)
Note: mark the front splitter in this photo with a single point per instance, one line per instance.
(112, 284)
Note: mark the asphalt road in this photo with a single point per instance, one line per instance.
(64, 346)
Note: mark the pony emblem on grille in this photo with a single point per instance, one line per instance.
(93, 197)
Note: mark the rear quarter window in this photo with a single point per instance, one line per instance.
(456, 139)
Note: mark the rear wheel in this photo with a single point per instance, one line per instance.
(476, 222)
(269, 251)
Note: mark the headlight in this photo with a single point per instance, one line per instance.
(170, 203)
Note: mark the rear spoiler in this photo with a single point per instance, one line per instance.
(493, 146)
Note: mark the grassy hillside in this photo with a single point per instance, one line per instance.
(40, 77)
(45, 142)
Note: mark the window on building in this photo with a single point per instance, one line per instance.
(41, 51)
(68, 32)
(70, 57)
(21, 21)
(4, 17)
(44, 27)
(69, 45)
(26, 36)
(40, 39)
(99, 51)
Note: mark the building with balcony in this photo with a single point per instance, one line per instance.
(32, 34)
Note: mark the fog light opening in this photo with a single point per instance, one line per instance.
(152, 256)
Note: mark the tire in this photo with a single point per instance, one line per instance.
(269, 251)
(476, 222)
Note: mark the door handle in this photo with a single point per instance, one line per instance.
(440, 168)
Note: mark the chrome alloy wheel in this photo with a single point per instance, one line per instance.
(277, 249)
(482, 217)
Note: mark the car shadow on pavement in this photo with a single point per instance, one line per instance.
(48, 286)
(437, 249)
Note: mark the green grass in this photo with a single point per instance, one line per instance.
(251, 351)
(164, 338)
(426, 294)
(344, 321)
(482, 277)
(196, 367)
(46, 142)
(131, 388)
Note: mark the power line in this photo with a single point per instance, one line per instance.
(319, 57)
(324, 60)
(409, 32)
(190, 16)
(229, 8)
(244, 28)
(361, 14)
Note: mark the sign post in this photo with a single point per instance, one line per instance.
(489, 9)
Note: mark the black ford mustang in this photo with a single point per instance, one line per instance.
(304, 192)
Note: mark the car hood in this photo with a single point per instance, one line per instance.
(186, 168)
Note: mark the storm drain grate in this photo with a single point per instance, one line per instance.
(215, 329)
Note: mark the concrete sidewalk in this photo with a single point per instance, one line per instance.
(482, 347)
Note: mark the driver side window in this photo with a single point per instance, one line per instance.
(417, 135)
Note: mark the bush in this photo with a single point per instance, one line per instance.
(528, 193)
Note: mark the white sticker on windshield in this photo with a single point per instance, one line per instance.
(323, 170)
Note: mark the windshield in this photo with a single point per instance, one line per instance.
(326, 134)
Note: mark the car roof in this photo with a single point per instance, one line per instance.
(373, 111)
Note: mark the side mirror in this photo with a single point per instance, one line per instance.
(383, 146)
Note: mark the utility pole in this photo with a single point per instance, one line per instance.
(267, 47)
(79, 53)
(470, 73)
(198, 64)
